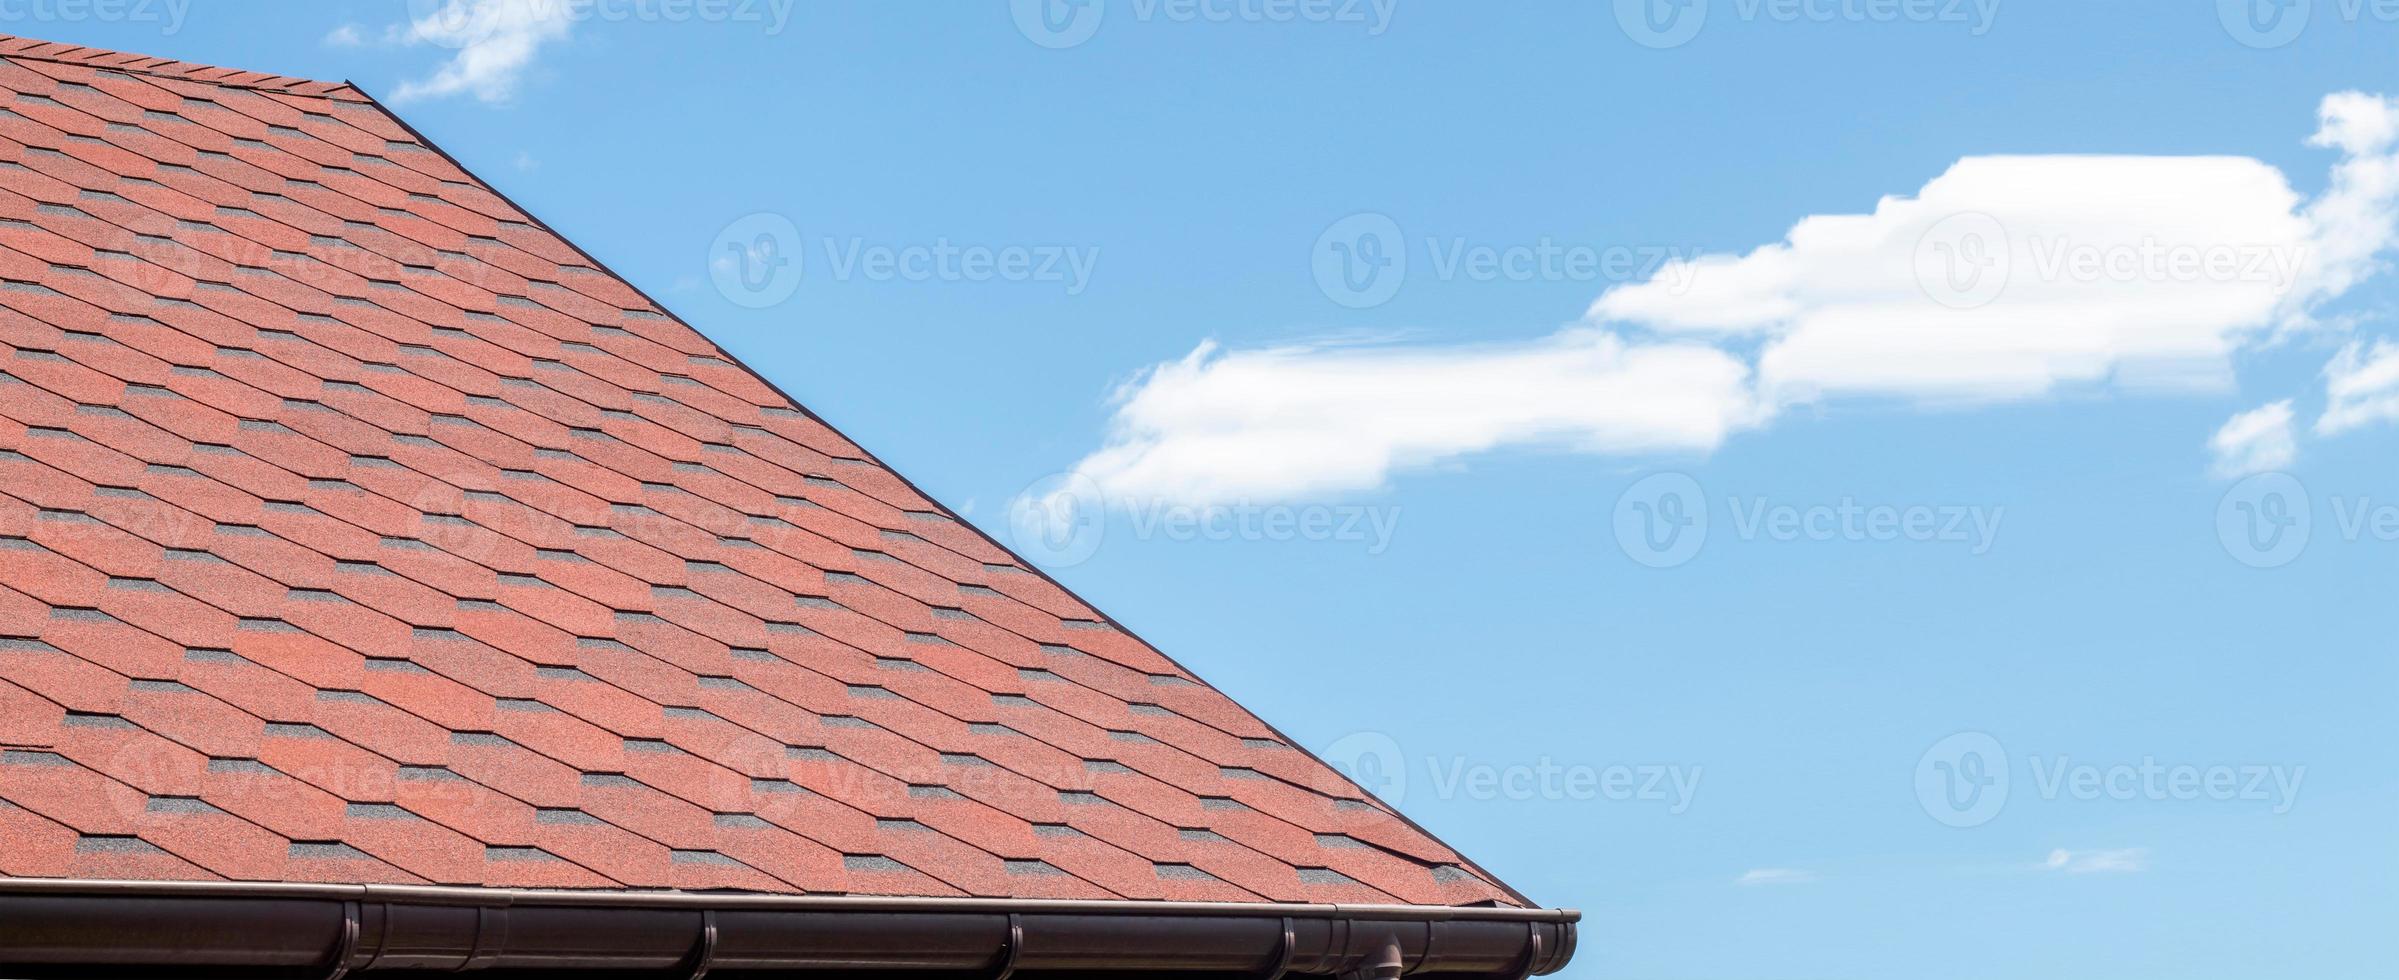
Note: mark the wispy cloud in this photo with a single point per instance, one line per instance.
(2116, 861)
(345, 36)
(496, 42)
(2005, 278)
(1774, 876)
(2361, 387)
(2351, 222)
(2255, 441)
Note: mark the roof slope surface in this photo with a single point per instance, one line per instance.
(354, 527)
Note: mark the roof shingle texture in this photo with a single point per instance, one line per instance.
(354, 527)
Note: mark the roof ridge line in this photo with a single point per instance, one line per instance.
(15, 46)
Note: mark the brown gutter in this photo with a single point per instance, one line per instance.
(170, 930)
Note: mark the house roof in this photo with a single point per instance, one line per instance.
(357, 528)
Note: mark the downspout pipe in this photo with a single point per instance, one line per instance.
(170, 930)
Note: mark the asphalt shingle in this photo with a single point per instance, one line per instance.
(348, 507)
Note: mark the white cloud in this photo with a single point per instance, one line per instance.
(525, 162)
(1775, 876)
(496, 41)
(2361, 387)
(345, 36)
(2005, 277)
(2116, 861)
(1291, 422)
(2255, 441)
(2011, 276)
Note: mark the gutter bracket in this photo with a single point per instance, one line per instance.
(702, 957)
(1283, 953)
(491, 937)
(348, 944)
(1015, 948)
(1533, 953)
(1432, 943)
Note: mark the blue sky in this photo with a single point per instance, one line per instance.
(1992, 583)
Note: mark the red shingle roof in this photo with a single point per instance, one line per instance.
(354, 527)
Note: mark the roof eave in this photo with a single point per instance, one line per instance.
(82, 928)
